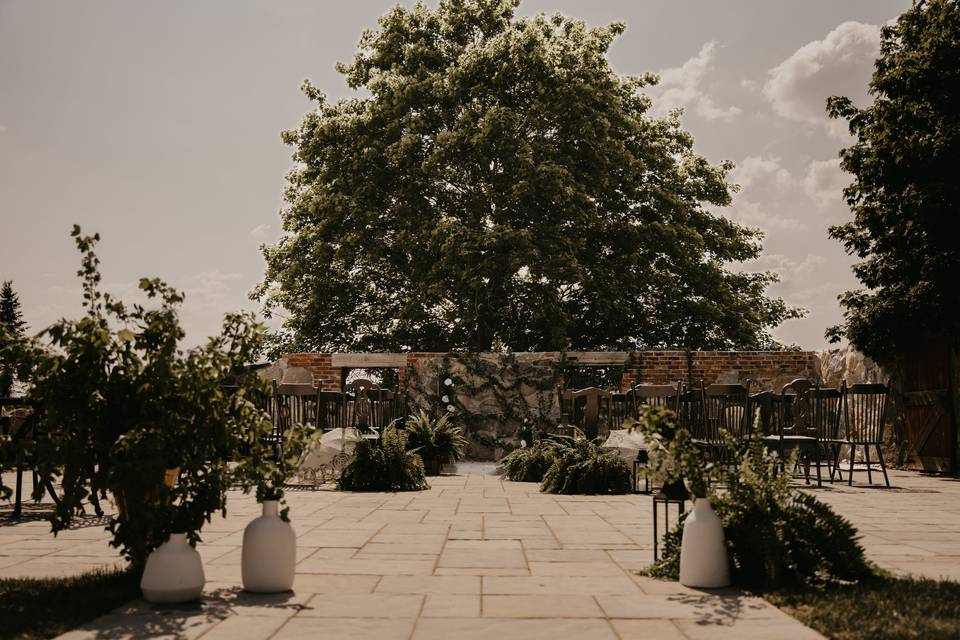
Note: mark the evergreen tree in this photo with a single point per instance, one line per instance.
(12, 328)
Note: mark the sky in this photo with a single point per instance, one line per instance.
(158, 125)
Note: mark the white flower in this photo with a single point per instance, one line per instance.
(448, 382)
(523, 443)
(526, 420)
(451, 408)
(445, 399)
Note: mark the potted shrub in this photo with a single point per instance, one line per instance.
(674, 459)
(269, 554)
(437, 441)
(123, 406)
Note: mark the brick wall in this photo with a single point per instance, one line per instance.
(766, 369)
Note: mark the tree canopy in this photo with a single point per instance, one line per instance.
(495, 184)
(905, 194)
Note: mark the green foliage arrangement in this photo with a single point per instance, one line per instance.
(582, 468)
(384, 464)
(124, 409)
(905, 194)
(506, 185)
(776, 536)
(436, 440)
(266, 467)
(673, 457)
(529, 464)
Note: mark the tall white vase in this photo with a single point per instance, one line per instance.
(703, 552)
(174, 572)
(269, 557)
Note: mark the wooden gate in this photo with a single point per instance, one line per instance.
(928, 388)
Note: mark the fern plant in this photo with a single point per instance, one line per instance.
(384, 464)
(581, 467)
(438, 442)
(529, 464)
(776, 536)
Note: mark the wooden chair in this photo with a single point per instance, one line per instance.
(794, 429)
(294, 405)
(655, 395)
(19, 419)
(331, 410)
(725, 410)
(651, 395)
(585, 408)
(864, 409)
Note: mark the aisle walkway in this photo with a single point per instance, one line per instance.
(474, 557)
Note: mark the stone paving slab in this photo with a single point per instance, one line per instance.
(477, 557)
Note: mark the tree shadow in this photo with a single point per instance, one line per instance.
(720, 607)
(141, 619)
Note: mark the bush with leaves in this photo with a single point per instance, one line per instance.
(581, 467)
(123, 408)
(529, 464)
(437, 441)
(776, 536)
(384, 464)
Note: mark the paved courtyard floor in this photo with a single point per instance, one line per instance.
(478, 557)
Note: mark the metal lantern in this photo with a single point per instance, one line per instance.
(639, 462)
(673, 493)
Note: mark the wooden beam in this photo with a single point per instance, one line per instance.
(368, 360)
(597, 358)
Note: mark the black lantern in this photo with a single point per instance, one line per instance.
(639, 462)
(671, 493)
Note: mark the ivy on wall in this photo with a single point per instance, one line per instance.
(466, 384)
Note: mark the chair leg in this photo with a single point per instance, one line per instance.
(853, 455)
(866, 454)
(95, 501)
(883, 465)
(819, 462)
(836, 463)
(18, 501)
(655, 536)
(806, 469)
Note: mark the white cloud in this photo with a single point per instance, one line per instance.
(755, 214)
(790, 269)
(825, 181)
(681, 87)
(754, 170)
(260, 231)
(840, 64)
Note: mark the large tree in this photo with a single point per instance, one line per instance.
(905, 196)
(495, 184)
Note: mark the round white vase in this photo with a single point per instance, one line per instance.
(703, 552)
(269, 558)
(174, 572)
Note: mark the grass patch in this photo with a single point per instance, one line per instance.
(879, 608)
(47, 607)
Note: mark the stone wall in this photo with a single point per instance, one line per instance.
(849, 365)
(500, 397)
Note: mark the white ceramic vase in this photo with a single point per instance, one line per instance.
(174, 572)
(269, 557)
(703, 552)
